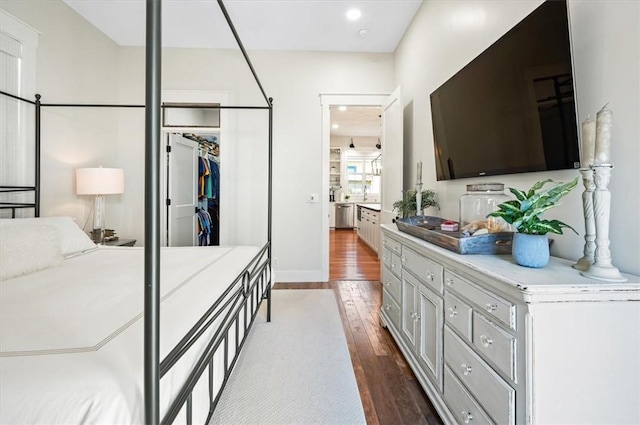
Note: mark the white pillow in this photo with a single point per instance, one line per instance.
(71, 238)
(27, 249)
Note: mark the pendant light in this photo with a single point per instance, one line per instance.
(351, 145)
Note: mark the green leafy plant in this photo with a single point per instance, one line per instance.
(407, 205)
(524, 212)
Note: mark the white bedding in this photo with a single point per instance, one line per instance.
(71, 337)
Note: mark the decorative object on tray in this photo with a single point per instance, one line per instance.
(449, 226)
(406, 207)
(524, 214)
(480, 200)
(429, 228)
(596, 199)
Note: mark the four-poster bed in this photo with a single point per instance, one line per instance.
(76, 324)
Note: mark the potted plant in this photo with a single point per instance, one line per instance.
(407, 205)
(530, 243)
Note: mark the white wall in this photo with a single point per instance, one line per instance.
(445, 36)
(294, 80)
(75, 64)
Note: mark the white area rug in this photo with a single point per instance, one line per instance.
(296, 369)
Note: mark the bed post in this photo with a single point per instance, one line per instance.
(269, 208)
(37, 165)
(152, 214)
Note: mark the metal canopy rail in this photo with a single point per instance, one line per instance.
(255, 280)
(13, 206)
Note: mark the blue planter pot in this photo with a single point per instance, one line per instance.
(530, 250)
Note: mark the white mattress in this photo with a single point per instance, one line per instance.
(71, 337)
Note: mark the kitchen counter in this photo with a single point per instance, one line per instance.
(372, 207)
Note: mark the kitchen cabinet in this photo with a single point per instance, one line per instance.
(492, 342)
(369, 225)
(335, 170)
(332, 215)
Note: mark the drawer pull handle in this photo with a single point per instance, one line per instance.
(416, 317)
(491, 307)
(403, 259)
(466, 369)
(452, 312)
(388, 283)
(449, 281)
(393, 265)
(430, 276)
(384, 257)
(486, 341)
(388, 307)
(467, 417)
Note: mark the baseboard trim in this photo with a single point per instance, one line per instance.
(285, 276)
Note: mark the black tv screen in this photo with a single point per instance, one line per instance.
(512, 109)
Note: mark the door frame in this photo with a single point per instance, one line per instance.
(327, 100)
(205, 97)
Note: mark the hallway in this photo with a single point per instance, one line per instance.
(350, 258)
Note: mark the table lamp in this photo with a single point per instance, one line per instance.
(99, 182)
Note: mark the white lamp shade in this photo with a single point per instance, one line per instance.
(99, 181)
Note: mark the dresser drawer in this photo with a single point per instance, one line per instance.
(493, 393)
(392, 245)
(391, 309)
(424, 269)
(497, 345)
(386, 257)
(396, 265)
(457, 314)
(490, 304)
(462, 405)
(391, 284)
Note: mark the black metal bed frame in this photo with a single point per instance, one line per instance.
(244, 295)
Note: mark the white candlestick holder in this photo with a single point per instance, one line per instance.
(418, 198)
(589, 221)
(602, 268)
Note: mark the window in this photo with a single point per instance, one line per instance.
(18, 45)
(363, 176)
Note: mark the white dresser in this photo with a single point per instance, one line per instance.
(494, 342)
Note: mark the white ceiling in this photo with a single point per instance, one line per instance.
(318, 25)
(358, 121)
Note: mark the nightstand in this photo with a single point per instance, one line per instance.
(121, 242)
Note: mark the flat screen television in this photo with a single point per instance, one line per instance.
(512, 109)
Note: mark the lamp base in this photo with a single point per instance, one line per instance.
(97, 236)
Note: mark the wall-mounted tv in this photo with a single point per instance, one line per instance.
(512, 109)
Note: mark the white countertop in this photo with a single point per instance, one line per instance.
(373, 207)
(546, 283)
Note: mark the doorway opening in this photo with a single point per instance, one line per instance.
(389, 145)
(355, 168)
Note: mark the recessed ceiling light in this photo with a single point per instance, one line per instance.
(334, 126)
(342, 108)
(353, 14)
(363, 32)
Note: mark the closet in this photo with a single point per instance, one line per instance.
(208, 188)
(192, 170)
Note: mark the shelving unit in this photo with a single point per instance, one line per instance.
(335, 167)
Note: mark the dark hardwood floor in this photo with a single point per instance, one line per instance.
(390, 392)
(350, 258)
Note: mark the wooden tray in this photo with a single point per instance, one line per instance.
(428, 228)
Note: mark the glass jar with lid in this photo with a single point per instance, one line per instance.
(480, 200)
